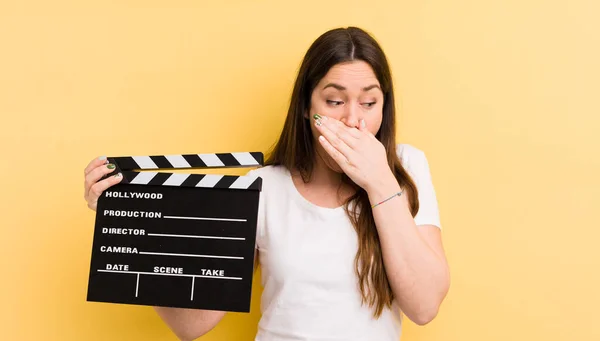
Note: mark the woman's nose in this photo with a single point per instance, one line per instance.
(351, 117)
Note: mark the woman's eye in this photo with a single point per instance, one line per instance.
(334, 102)
(370, 104)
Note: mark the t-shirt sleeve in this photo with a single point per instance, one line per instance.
(428, 213)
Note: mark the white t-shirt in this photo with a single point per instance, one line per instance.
(306, 255)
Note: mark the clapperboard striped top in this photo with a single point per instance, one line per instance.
(128, 164)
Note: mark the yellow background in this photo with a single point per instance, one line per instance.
(501, 95)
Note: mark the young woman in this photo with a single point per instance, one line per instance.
(348, 230)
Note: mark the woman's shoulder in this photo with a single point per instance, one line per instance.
(274, 182)
(414, 160)
(269, 173)
(416, 164)
(410, 154)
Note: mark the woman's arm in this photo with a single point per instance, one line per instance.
(189, 324)
(413, 255)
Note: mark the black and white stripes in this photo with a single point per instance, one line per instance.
(127, 164)
(248, 182)
(190, 161)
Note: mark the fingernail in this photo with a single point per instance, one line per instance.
(318, 119)
(362, 123)
(110, 166)
(103, 158)
(118, 175)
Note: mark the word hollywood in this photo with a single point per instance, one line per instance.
(133, 195)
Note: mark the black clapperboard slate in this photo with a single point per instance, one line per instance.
(174, 239)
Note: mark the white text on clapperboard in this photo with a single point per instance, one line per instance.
(140, 232)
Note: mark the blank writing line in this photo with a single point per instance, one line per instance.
(137, 284)
(193, 236)
(192, 297)
(188, 255)
(202, 218)
(164, 274)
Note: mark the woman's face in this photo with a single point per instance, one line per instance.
(349, 92)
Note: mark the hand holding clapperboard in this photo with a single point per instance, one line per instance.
(174, 239)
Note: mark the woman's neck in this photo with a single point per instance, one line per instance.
(324, 176)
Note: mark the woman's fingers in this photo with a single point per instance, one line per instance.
(335, 141)
(94, 164)
(93, 188)
(99, 187)
(335, 154)
(350, 135)
(96, 174)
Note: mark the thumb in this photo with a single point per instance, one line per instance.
(362, 126)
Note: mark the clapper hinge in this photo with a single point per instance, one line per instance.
(144, 170)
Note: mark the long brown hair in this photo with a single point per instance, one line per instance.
(295, 149)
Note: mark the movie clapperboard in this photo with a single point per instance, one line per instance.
(176, 239)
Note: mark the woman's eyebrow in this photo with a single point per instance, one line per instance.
(372, 86)
(334, 85)
(342, 88)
